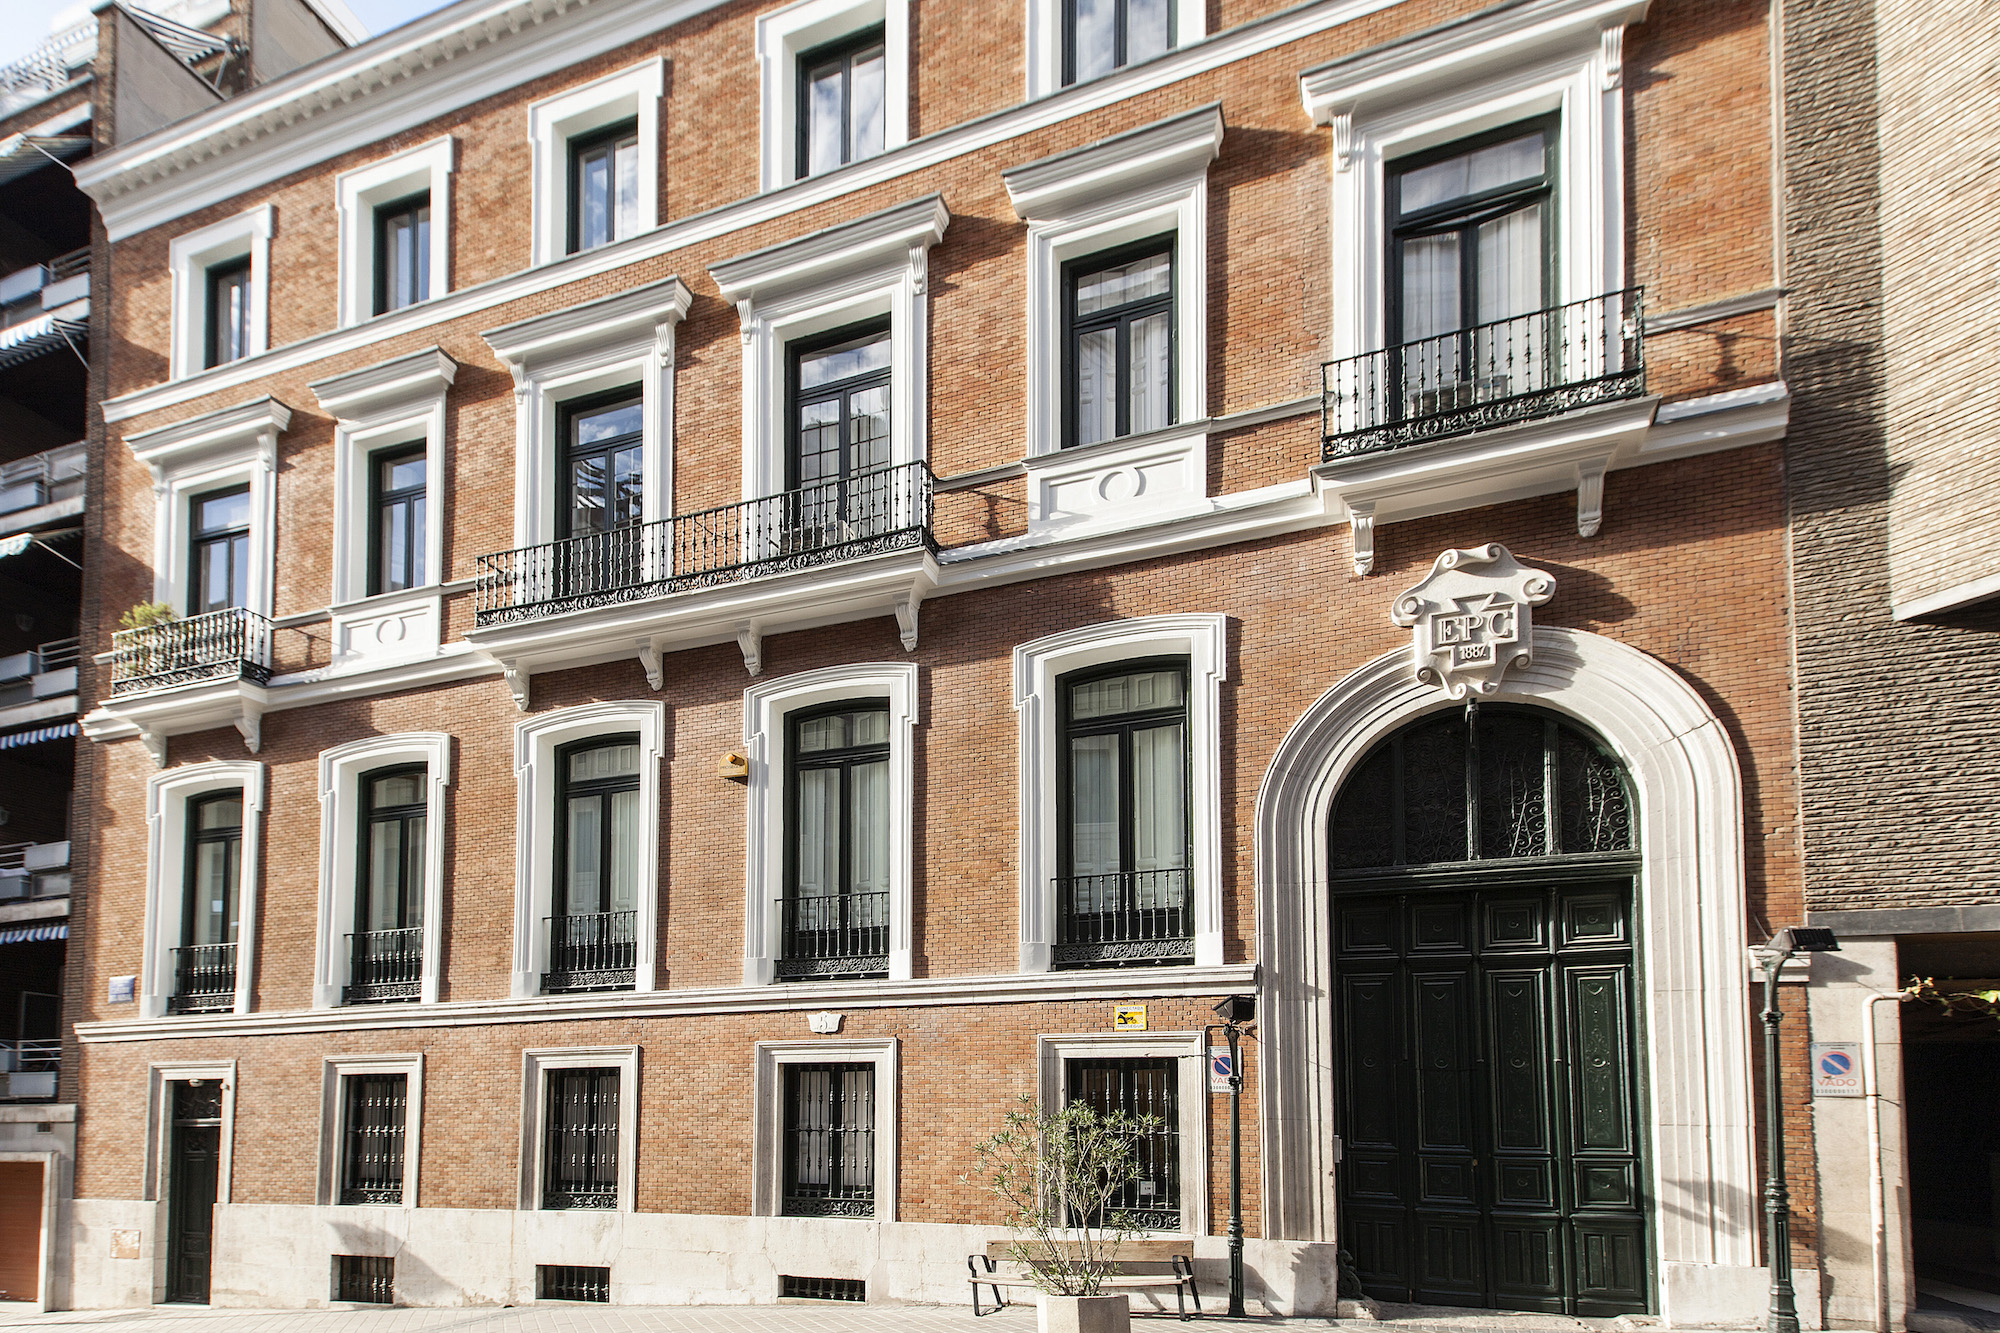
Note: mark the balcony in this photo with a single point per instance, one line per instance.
(384, 965)
(835, 935)
(30, 870)
(232, 644)
(28, 1070)
(204, 979)
(1125, 917)
(592, 951)
(1522, 369)
(54, 477)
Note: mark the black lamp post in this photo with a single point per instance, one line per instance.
(1784, 1316)
(1234, 1012)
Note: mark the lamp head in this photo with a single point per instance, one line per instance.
(1804, 939)
(1237, 1009)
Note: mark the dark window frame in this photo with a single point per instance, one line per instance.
(409, 892)
(1120, 318)
(1168, 1137)
(840, 1198)
(556, 1131)
(356, 1136)
(568, 451)
(601, 788)
(797, 399)
(200, 538)
(844, 49)
(1120, 56)
(580, 147)
(229, 273)
(199, 837)
(1123, 725)
(386, 215)
(380, 500)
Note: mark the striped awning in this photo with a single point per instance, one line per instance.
(23, 153)
(36, 735)
(33, 934)
(34, 337)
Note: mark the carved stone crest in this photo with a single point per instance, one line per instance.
(1472, 617)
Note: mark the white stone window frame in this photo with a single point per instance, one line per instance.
(862, 270)
(1054, 1052)
(1044, 20)
(190, 257)
(426, 168)
(1203, 639)
(160, 1124)
(168, 794)
(788, 33)
(340, 804)
(535, 1067)
(537, 742)
(333, 1120)
(1149, 182)
(633, 93)
(388, 406)
(767, 1164)
(767, 708)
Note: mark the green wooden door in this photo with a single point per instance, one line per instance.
(1489, 1096)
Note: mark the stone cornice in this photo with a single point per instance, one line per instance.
(399, 380)
(863, 243)
(1168, 148)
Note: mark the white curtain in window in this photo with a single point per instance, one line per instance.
(1159, 812)
(819, 832)
(1511, 347)
(870, 841)
(1093, 802)
(623, 883)
(584, 884)
(1149, 405)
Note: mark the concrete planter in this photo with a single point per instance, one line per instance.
(1084, 1314)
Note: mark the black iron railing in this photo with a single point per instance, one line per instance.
(231, 644)
(835, 935)
(829, 1140)
(580, 1147)
(886, 509)
(1130, 916)
(1520, 369)
(384, 965)
(204, 979)
(376, 1118)
(592, 951)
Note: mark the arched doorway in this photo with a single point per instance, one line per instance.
(1487, 1019)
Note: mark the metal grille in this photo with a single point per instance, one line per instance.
(836, 935)
(231, 644)
(592, 951)
(384, 965)
(364, 1279)
(371, 1151)
(1140, 1088)
(829, 1140)
(1134, 916)
(822, 1288)
(580, 1147)
(572, 1282)
(204, 979)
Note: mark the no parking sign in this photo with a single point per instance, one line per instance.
(1836, 1068)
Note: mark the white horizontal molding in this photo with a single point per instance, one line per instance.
(1727, 420)
(820, 257)
(390, 386)
(1166, 150)
(1950, 599)
(255, 424)
(644, 314)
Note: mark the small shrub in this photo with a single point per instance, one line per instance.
(147, 614)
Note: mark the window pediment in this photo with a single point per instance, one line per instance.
(1125, 164)
(249, 428)
(390, 386)
(894, 238)
(645, 314)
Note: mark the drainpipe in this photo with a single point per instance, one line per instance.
(1878, 1228)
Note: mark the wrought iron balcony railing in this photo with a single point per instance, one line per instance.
(231, 644)
(1129, 916)
(835, 935)
(886, 509)
(384, 965)
(592, 951)
(1520, 369)
(204, 979)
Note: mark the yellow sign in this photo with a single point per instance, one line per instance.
(1128, 1017)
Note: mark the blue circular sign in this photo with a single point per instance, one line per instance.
(1835, 1064)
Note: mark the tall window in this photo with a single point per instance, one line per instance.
(403, 253)
(840, 436)
(373, 1123)
(829, 1140)
(1119, 352)
(1124, 893)
(593, 928)
(219, 555)
(396, 509)
(1140, 1088)
(603, 187)
(580, 1139)
(840, 103)
(603, 499)
(1469, 231)
(837, 884)
(205, 964)
(227, 337)
(386, 959)
(1102, 35)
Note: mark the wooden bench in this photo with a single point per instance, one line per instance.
(1143, 1265)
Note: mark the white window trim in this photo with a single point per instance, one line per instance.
(1052, 1054)
(167, 797)
(767, 1190)
(860, 270)
(1563, 56)
(581, 350)
(389, 405)
(628, 94)
(1045, 41)
(333, 1120)
(790, 32)
(537, 780)
(358, 193)
(535, 1067)
(765, 710)
(160, 1122)
(1204, 641)
(340, 772)
(189, 258)
(234, 446)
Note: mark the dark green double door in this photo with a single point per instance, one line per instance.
(1490, 1097)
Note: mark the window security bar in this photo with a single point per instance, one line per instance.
(829, 1140)
(836, 935)
(592, 951)
(580, 1146)
(364, 1279)
(572, 1282)
(384, 965)
(1128, 916)
(204, 979)
(841, 518)
(1524, 368)
(371, 1167)
(231, 644)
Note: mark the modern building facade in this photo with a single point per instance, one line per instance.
(745, 585)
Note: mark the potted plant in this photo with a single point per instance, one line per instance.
(1058, 1174)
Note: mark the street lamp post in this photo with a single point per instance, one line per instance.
(1784, 1315)
(1234, 1013)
